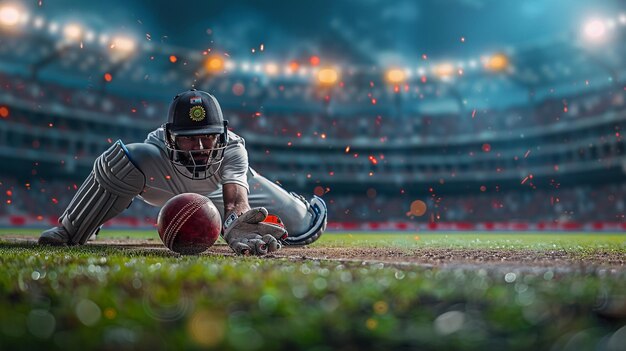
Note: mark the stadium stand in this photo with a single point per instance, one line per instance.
(553, 154)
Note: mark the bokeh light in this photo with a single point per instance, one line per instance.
(497, 63)
(595, 31)
(327, 76)
(123, 45)
(9, 15)
(214, 64)
(206, 328)
(4, 112)
(396, 76)
(314, 60)
(444, 70)
(73, 32)
(271, 69)
(418, 208)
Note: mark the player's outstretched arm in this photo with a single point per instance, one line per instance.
(244, 229)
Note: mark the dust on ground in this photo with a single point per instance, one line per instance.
(424, 256)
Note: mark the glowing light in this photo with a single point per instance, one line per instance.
(229, 65)
(418, 208)
(123, 44)
(238, 89)
(38, 22)
(319, 191)
(108, 77)
(294, 65)
(396, 76)
(4, 112)
(214, 63)
(444, 70)
(9, 15)
(595, 30)
(497, 62)
(271, 69)
(206, 328)
(381, 307)
(245, 66)
(53, 27)
(314, 60)
(173, 58)
(72, 32)
(327, 76)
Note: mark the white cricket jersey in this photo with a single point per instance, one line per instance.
(234, 167)
(163, 181)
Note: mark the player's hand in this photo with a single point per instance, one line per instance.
(248, 234)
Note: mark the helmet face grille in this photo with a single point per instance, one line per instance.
(196, 164)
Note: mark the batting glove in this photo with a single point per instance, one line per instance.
(254, 232)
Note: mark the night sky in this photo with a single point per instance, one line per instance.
(367, 31)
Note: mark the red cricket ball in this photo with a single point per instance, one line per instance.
(189, 223)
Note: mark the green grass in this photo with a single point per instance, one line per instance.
(98, 297)
(509, 240)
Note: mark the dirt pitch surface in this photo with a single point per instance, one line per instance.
(560, 260)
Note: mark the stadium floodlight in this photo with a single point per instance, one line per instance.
(294, 65)
(123, 45)
(395, 76)
(497, 62)
(38, 22)
(10, 15)
(595, 31)
(327, 76)
(53, 27)
(73, 32)
(230, 65)
(271, 69)
(214, 64)
(444, 70)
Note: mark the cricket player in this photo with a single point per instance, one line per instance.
(193, 152)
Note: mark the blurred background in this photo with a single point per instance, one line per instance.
(402, 115)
